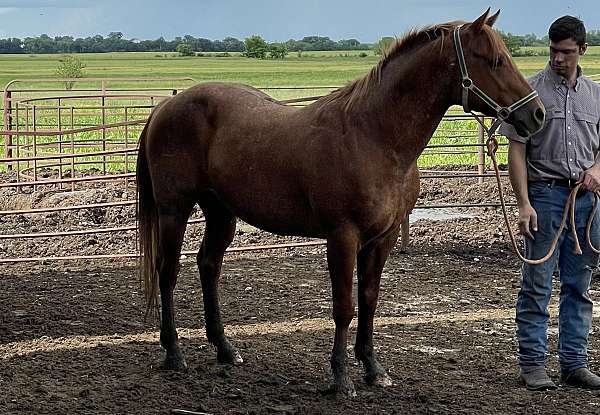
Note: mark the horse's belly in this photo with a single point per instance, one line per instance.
(274, 212)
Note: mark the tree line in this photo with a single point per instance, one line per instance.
(115, 42)
(514, 43)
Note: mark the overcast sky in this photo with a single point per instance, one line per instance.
(274, 20)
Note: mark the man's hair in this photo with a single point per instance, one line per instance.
(567, 27)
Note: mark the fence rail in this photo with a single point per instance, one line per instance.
(61, 143)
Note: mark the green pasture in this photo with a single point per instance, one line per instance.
(310, 69)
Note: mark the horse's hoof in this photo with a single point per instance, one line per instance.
(345, 389)
(174, 363)
(237, 359)
(230, 357)
(380, 379)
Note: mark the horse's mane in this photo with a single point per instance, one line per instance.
(356, 90)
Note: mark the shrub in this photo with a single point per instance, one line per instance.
(277, 51)
(70, 67)
(184, 50)
(255, 47)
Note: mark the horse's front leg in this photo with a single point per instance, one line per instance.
(342, 247)
(371, 260)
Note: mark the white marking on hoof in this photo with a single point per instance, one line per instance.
(237, 359)
(383, 380)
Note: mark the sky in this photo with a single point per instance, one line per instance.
(274, 20)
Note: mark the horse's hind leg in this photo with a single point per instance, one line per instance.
(172, 221)
(218, 234)
(371, 260)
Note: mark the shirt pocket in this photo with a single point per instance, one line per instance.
(554, 112)
(588, 118)
(587, 135)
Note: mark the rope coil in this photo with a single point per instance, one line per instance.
(569, 211)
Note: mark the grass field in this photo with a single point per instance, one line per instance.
(310, 69)
(313, 68)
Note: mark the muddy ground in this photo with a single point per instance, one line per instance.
(73, 337)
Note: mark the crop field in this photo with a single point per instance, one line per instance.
(311, 68)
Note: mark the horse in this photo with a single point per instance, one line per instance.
(342, 169)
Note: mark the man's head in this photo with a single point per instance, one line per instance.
(567, 43)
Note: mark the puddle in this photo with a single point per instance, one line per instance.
(439, 214)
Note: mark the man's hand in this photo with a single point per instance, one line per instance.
(591, 178)
(527, 221)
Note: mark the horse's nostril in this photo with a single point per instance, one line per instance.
(540, 114)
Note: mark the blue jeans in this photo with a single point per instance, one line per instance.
(575, 273)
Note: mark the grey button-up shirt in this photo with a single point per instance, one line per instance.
(568, 143)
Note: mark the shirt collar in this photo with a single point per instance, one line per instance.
(560, 80)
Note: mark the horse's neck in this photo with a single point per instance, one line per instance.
(417, 92)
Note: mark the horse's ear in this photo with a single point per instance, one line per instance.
(477, 25)
(492, 19)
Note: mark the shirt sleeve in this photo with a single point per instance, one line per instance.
(509, 132)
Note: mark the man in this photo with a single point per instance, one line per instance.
(543, 169)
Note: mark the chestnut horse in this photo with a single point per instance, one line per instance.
(342, 169)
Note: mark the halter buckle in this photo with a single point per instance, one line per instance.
(503, 113)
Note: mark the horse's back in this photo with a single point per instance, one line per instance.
(234, 141)
(277, 167)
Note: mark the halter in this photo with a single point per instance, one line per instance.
(467, 84)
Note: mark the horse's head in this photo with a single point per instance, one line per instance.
(489, 79)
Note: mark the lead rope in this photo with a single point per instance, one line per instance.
(492, 147)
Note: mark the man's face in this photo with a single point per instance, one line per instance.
(564, 56)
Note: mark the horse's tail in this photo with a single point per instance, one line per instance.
(147, 220)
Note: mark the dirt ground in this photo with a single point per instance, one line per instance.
(73, 337)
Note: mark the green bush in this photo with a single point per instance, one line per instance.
(277, 51)
(255, 47)
(70, 67)
(184, 50)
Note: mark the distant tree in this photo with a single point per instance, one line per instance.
(232, 44)
(593, 38)
(255, 47)
(530, 40)
(348, 44)
(115, 42)
(70, 67)
(513, 43)
(383, 45)
(297, 45)
(319, 43)
(277, 50)
(204, 45)
(11, 45)
(184, 49)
